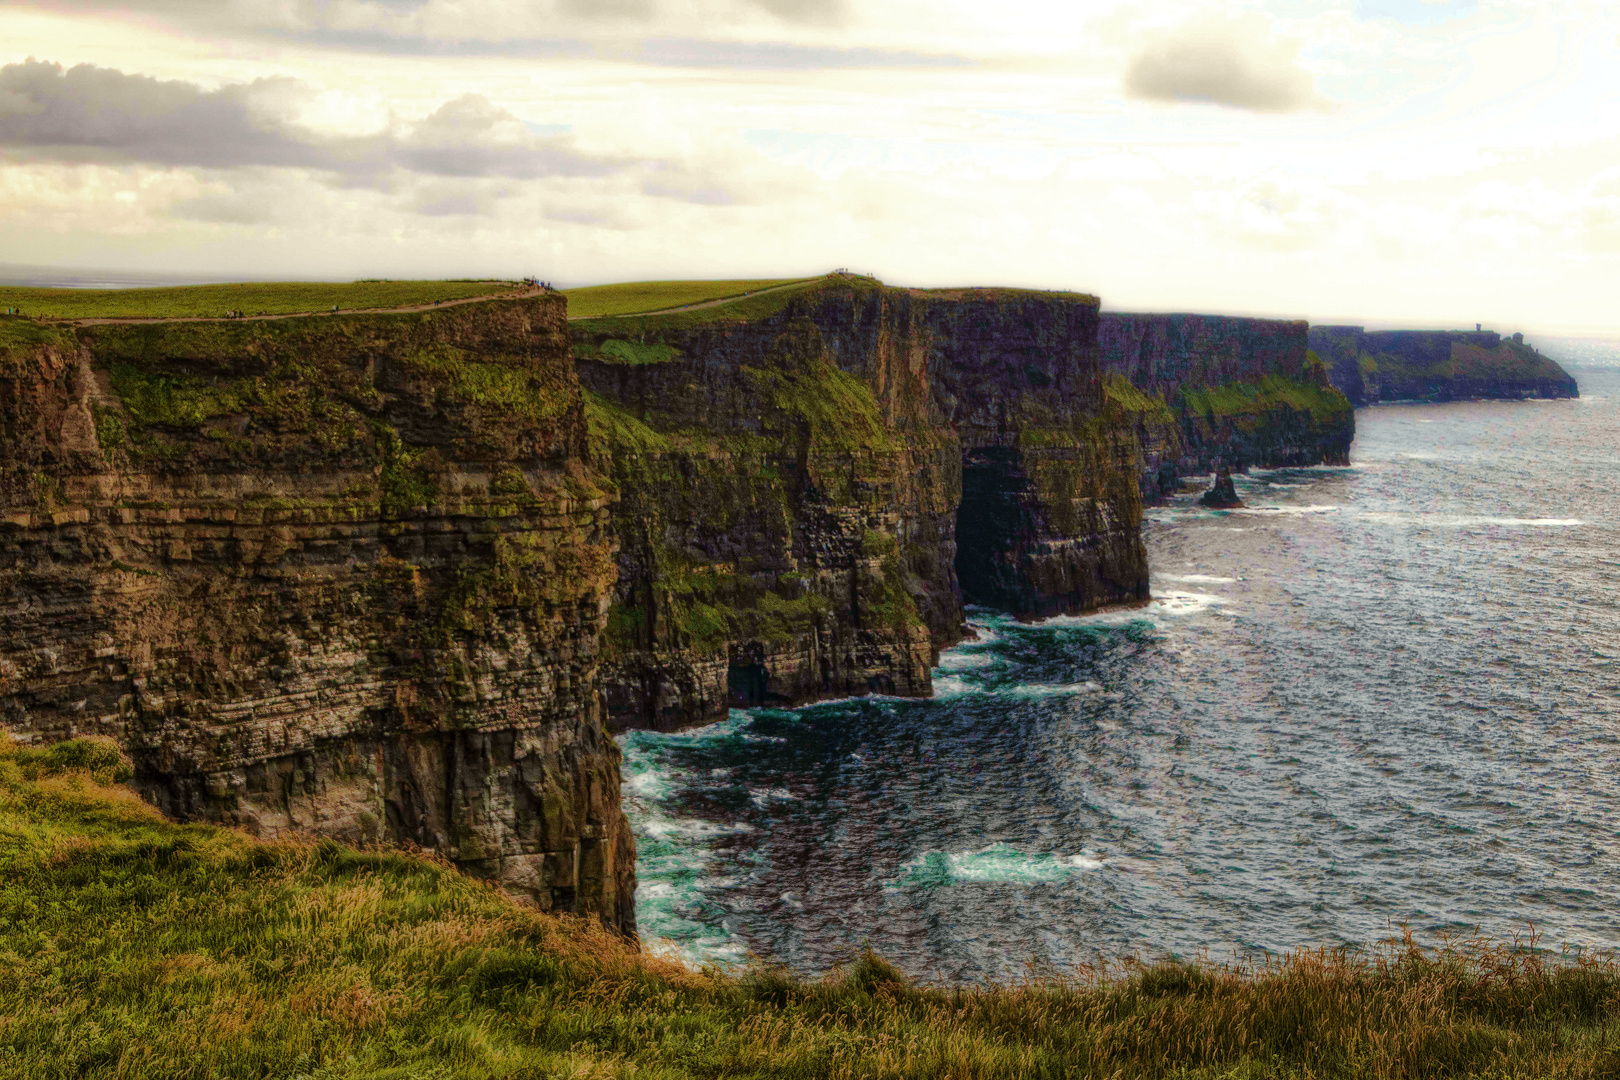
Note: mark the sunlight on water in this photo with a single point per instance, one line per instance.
(1381, 694)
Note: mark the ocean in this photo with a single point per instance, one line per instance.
(1384, 696)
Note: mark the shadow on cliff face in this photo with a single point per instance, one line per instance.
(1015, 551)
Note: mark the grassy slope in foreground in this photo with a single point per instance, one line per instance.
(134, 947)
(270, 297)
(603, 301)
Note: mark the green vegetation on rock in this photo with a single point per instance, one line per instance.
(628, 352)
(842, 415)
(1235, 399)
(1122, 393)
(253, 297)
(19, 337)
(172, 400)
(615, 430)
(504, 385)
(135, 948)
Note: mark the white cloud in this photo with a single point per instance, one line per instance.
(1238, 63)
(1460, 172)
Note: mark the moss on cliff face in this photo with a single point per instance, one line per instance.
(1210, 390)
(341, 574)
(1247, 403)
(791, 481)
(1436, 365)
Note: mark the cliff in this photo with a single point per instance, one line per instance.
(1436, 365)
(810, 486)
(1210, 390)
(396, 576)
(345, 576)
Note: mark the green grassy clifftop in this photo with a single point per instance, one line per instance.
(1433, 365)
(136, 948)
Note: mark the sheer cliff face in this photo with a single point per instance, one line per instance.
(342, 576)
(799, 494)
(1435, 365)
(1211, 390)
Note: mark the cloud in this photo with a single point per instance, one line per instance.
(94, 114)
(1236, 63)
(432, 23)
(826, 12)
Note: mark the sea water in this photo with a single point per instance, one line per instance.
(1380, 696)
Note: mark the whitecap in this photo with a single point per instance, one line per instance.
(996, 863)
(696, 953)
(649, 782)
(1046, 690)
(1533, 522)
(1168, 604)
(957, 660)
(762, 797)
(1196, 579)
(1314, 508)
(949, 686)
(691, 828)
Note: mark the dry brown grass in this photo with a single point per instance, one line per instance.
(133, 947)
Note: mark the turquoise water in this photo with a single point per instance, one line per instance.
(1383, 694)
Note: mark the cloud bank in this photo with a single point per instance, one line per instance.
(1236, 63)
(102, 115)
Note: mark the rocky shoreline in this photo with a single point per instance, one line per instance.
(395, 577)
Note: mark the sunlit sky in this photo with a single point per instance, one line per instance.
(1411, 162)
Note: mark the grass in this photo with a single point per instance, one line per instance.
(270, 297)
(19, 338)
(644, 328)
(1323, 404)
(1121, 392)
(635, 297)
(137, 948)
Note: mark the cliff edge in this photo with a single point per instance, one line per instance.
(344, 576)
(810, 487)
(1212, 391)
(1437, 365)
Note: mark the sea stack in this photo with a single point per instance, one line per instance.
(1222, 495)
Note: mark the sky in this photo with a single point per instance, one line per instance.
(1389, 162)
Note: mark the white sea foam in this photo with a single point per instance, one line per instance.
(1195, 579)
(649, 782)
(1466, 521)
(1167, 604)
(1553, 522)
(1281, 510)
(697, 952)
(763, 797)
(1184, 603)
(1047, 690)
(691, 828)
(996, 863)
(949, 686)
(959, 660)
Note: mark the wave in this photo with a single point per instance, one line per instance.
(1168, 604)
(1196, 579)
(1430, 520)
(996, 863)
(1312, 509)
(1031, 691)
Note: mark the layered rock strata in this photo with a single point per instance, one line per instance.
(343, 576)
(1212, 390)
(395, 577)
(1436, 365)
(807, 494)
